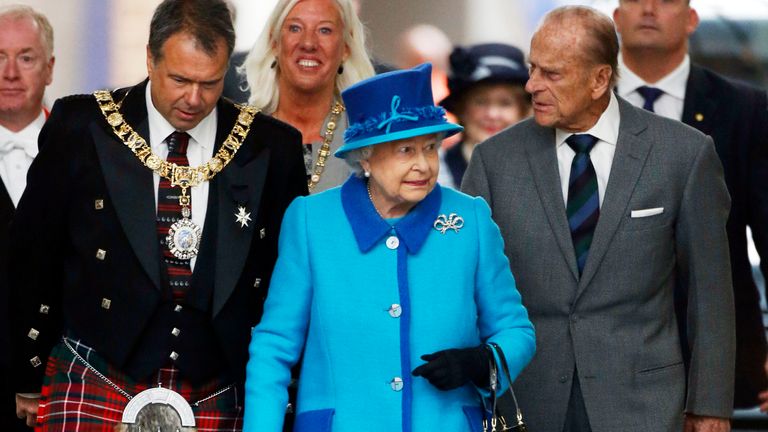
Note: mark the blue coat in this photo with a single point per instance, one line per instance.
(364, 300)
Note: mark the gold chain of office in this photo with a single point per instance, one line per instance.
(182, 176)
(325, 149)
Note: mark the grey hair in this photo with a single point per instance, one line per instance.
(354, 157)
(262, 77)
(601, 44)
(44, 28)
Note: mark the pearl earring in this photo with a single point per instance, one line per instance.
(367, 174)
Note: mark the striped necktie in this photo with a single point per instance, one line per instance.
(583, 208)
(168, 212)
(649, 94)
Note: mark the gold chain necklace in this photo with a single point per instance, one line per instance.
(325, 149)
(184, 235)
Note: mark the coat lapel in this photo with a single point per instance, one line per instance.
(628, 161)
(6, 203)
(239, 184)
(542, 157)
(699, 107)
(7, 209)
(133, 200)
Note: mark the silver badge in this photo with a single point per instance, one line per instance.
(184, 239)
(242, 217)
(452, 221)
(159, 395)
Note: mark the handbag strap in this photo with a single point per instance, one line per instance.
(489, 412)
(504, 367)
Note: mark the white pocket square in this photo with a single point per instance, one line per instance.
(647, 212)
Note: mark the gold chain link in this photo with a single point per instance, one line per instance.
(325, 149)
(182, 176)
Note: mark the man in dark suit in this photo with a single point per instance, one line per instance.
(144, 243)
(656, 73)
(26, 68)
(604, 208)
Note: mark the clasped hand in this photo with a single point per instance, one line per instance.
(452, 368)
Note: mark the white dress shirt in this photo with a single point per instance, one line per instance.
(200, 149)
(17, 150)
(670, 103)
(606, 130)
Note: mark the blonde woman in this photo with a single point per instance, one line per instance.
(309, 51)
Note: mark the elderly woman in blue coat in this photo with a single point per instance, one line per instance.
(390, 286)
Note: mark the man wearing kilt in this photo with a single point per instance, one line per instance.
(142, 248)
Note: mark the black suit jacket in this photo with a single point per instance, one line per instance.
(58, 230)
(8, 419)
(735, 116)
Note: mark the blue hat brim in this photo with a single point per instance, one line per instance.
(447, 128)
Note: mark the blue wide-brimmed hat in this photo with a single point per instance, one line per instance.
(392, 106)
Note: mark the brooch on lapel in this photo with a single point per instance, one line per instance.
(242, 217)
(452, 221)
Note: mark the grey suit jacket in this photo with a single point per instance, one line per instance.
(615, 325)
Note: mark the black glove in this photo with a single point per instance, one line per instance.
(449, 369)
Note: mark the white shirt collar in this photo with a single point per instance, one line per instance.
(27, 136)
(159, 128)
(606, 129)
(672, 84)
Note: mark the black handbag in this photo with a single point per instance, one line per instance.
(495, 420)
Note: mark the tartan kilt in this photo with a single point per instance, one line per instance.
(74, 398)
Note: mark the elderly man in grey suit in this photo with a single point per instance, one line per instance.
(604, 207)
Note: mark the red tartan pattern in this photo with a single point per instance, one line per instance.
(75, 399)
(168, 212)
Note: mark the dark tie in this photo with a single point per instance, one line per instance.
(583, 208)
(168, 212)
(649, 94)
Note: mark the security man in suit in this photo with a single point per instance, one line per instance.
(143, 246)
(604, 208)
(26, 68)
(657, 74)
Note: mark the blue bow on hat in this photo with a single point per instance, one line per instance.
(393, 106)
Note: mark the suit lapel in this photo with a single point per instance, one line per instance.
(6, 203)
(238, 185)
(542, 157)
(699, 107)
(6, 209)
(134, 199)
(628, 161)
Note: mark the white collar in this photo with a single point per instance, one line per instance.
(204, 133)
(27, 136)
(672, 84)
(606, 129)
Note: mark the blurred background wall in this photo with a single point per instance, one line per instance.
(101, 43)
